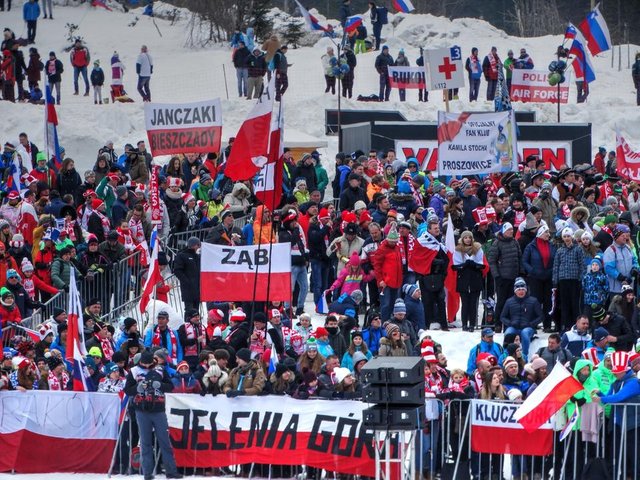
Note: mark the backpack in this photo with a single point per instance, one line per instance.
(383, 17)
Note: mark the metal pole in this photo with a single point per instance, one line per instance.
(339, 105)
(224, 72)
(558, 102)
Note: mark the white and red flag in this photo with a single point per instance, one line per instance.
(548, 398)
(267, 184)
(251, 146)
(245, 269)
(76, 350)
(425, 250)
(154, 276)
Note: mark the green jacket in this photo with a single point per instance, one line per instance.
(507, 67)
(61, 273)
(605, 379)
(106, 194)
(323, 178)
(588, 386)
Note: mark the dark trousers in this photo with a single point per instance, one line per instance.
(435, 306)
(541, 290)
(143, 88)
(385, 87)
(474, 88)
(282, 83)
(423, 95)
(504, 290)
(402, 92)
(469, 313)
(568, 300)
(31, 30)
(583, 91)
(377, 31)
(491, 89)
(8, 91)
(148, 424)
(638, 96)
(331, 84)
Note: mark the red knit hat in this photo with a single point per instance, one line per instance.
(321, 332)
(427, 351)
(488, 357)
(237, 316)
(365, 217)
(96, 203)
(324, 213)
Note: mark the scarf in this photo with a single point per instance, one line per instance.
(493, 61)
(107, 347)
(405, 254)
(30, 286)
(474, 64)
(157, 341)
(258, 345)
(69, 228)
(433, 385)
(193, 332)
(106, 224)
(137, 230)
(519, 217)
(125, 238)
(54, 382)
(543, 248)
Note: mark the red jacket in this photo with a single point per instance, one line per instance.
(7, 316)
(6, 263)
(598, 163)
(387, 265)
(42, 264)
(7, 69)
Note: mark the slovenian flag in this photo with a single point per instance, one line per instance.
(403, 6)
(353, 23)
(595, 30)
(51, 144)
(582, 60)
(572, 422)
(310, 20)
(570, 32)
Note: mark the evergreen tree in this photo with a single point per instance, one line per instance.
(262, 25)
(292, 32)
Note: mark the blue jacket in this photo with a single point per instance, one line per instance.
(415, 312)
(344, 170)
(618, 261)
(30, 11)
(532, 261)
(521, 312)
(595, 288)
(494, 349)
(148, 339)
(372, 339)
(625, 390)
(576, 342)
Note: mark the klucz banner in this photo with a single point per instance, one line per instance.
(225, 269)
(272, 430)
(628, 160)
(494, 430)
(476, 143)
(184, 128)
(532, 86)
(46, 431)
(407, 77)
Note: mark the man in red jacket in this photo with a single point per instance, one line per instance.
(387, 265)
(80, 59)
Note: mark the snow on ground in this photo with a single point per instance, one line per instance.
(182, 73)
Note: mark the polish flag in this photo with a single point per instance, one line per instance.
(267, 184)
(251, 147)
(424, 251)
(154, 276)
(548, 398)
(75, 339)
(451, 280)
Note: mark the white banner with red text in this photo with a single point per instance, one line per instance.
(245, 273)
(407, 77)
(48, 431)
(477, 143)
(494, 430)
(184, 127)
(628, 160)
(555, 153)
(272, 430)
(532, 86)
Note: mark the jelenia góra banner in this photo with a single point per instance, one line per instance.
(477, 143)
(184, 127)
(275, 430)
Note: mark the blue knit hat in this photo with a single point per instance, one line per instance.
(399, 306)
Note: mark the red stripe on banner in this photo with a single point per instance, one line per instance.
(187, 140)
(511, 441)
(35, 453)
(214, 286)
(539, 94)
(288, 447)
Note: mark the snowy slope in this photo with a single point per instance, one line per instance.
(183, 74)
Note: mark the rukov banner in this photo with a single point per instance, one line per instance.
(407, 77)
(184, 128)
(494, 430)
(477, 143)
(532, 86)
(271, 430)
(230, 272)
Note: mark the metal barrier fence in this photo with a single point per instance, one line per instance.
(59, 300)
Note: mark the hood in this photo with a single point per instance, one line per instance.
(259, 214)
(240, 189)
(580, 364)
(580, 210)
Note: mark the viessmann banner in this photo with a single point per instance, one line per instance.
(272, 430)
(184, 127)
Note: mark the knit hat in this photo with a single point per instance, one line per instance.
(237, 316)
(96, 203)
(357, 296)
(182, 364)
(427, 351)
(54, 361)
(390, 328)
(619, 362)
(323, 213)
(128, 323)
(11, 273)
(17, 241)
(514, 394)
(611, 218)
(95, 352)
(359, 205)
(393, 234)
(620, 229)
(509, 361)
(321, 332)
(341, 373)
(506, 226)
(586, 234)
(538, 363)
(591, 354)
(44, 330)
(244, 354)
(146, 358)
(519, 284)
(567, 232)
(409, 289)
(542, 230)
(399, 306)
(488, 357)
(598, 312)
(26, 265)
(626, 289)
(600, 334)
(311, 344)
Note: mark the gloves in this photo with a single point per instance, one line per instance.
(203, 393)
(621, 277)
(156, 384)
(40, 305)
(234, 393)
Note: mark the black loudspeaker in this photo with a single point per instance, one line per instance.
(395, 370)
(395, 394)
(396, 418)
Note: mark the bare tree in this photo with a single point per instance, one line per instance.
(532, 18)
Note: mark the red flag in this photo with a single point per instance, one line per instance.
(451, 280)
(251, 146)
(32, 334)
(154, 276)
(424, 251)
(267, 185)
(75, 339)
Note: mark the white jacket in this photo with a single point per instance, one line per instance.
(146, 64)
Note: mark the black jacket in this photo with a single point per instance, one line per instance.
(308, 172)
(22, 299)
(240, 57)
(187, 268)
(147, 389)
(69, 182)
(350, 196)
(239, 337)
(316, 240)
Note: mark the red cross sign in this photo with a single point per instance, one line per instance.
(447, 68)
(444, 68)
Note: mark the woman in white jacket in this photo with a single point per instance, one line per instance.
(327, 68)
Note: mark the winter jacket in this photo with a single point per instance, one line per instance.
(240, 57)
(7, 67)
(249, 379)
(562, 355)
(299, 254)
(618, 261)
(187, 268)
(469, 271)
(61, 273)
(568, 264)
(317, 238)
(257, 66)
(372, 338)
(521, 313)
(415, 312)
(402, 203)
(532, 261)
(595, 287)
(97, 77)
(350, 196)
(151, 399)
(387, 264)
(493, 348)
(238, 200)
(80, 57)
(618, 327)
(624, 390)
(491, 71)
(30, 11)
(387, 349)
(584, 395)
(308, 172)
(383, 62)
(69, 182)
(280, 62)
(407, 328)
(473, 67)
(576, 342)
(144, 65)
(504, 258)
(34, 68)
(321, 177)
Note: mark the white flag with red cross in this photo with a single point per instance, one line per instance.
(444, 68)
